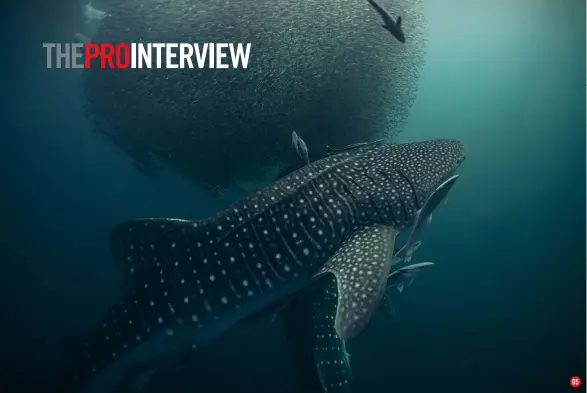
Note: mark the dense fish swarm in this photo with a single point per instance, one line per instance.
(326, 69)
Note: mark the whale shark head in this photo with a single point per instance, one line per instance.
(425, 165)
(390, 182)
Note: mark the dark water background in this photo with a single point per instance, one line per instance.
(502, 311)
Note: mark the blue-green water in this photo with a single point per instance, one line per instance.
(502, 311)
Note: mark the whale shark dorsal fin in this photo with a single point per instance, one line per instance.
(398, 22)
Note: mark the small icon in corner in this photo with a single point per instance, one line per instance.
(576, 382)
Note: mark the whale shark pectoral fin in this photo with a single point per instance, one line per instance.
(330, 357)
(398, 21)
(361, 267)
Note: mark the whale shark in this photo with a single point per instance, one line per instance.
(188, 281)
(307, 326)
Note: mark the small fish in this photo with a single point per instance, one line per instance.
(300, 147)
(398, 277)
(423, 214)
(397, 258)
(393, 26)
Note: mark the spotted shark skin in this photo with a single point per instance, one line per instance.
(189, 281)
(330, 357)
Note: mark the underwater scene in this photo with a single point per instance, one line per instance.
(294, 196)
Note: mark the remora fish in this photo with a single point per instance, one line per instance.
(300, 147)
(424, 215)
(191, 280)
(393, 26)
(91, 13)
(398, 277)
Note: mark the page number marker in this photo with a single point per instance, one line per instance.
(575, 382)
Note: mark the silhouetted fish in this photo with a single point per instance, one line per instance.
(393, 26)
